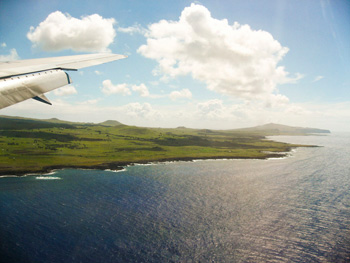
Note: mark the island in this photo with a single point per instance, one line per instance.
(29, 146)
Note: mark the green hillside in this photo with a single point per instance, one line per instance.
(29, 145)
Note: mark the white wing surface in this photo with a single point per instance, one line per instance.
(24, 79)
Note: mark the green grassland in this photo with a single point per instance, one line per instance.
(30, 146)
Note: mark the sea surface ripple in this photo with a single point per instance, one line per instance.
(294, 209)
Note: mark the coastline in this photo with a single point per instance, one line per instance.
(46, 146)
(118, 166)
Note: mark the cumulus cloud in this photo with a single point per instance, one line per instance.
(109, 88)
(141, 89)
(12, 56)
(61, 31)
(182, 94)
(138, 110)
(3, 44)
(231, 59)
(65, 91)
(98, 72)
(212, 109)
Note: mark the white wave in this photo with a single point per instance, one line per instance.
(48, 178)
(8, 176)
(284, 155)
(51, 173)
(145, 164)
(116, 171)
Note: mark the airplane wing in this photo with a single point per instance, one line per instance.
(24, 79)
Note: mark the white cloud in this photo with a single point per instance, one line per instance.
(213, 114)
(297, 110)
(318, 78)
(89, 102)
(291, 80)
(139, 110)
(212, 109)
(124, 88)
(12, 56)
(3, 44)
(182, 94)
(65, 91)
(231, 59)
(218, 115)
(141, 89)
(61, 31)
(108, 88)
(98, 72)
(138, 29)
(276, 100)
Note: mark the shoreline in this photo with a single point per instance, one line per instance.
(117, 166)
(45, 146)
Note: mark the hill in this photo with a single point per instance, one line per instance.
(110, 123)
(19, 123)
(278, 129)
(32, 146)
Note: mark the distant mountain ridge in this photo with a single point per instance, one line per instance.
(38, 146)
(20, 121)
(10, 122)
(283, 129)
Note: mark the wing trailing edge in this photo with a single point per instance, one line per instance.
(42, 98)
(24, 79)
(20, 88)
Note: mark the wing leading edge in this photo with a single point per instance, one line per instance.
(24, 79)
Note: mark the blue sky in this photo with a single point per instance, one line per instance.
(202, 64)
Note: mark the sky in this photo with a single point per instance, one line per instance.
(199, 64)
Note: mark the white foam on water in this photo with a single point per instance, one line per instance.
(48, 178)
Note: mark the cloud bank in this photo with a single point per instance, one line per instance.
(231, 59)
(210, 114)
(61, 31)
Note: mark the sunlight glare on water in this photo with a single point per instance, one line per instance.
(280, 210)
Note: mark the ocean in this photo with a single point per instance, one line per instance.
(293, 209)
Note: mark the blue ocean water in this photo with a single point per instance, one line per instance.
(295, 209)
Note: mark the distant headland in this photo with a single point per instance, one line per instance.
(40, 146)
